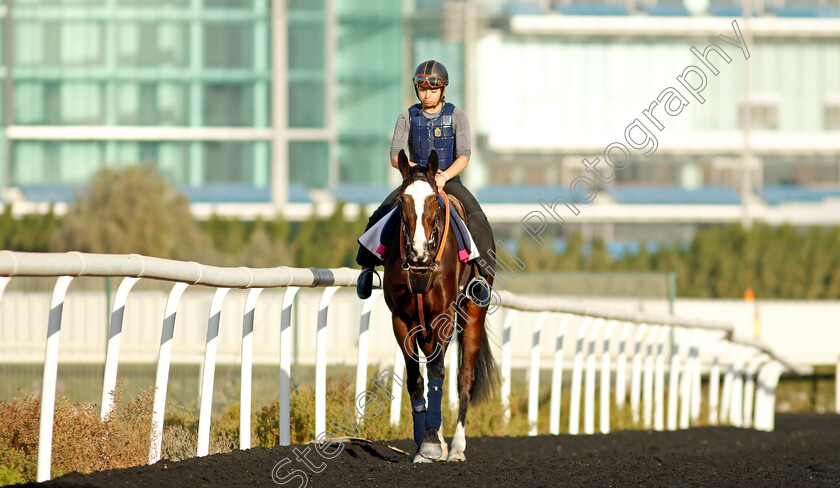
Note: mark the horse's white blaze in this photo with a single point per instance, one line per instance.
(419, 190)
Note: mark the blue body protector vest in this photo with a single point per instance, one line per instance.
(427, 134)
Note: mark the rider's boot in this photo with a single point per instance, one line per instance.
(364, 285)
(368, 261)
(479, 291)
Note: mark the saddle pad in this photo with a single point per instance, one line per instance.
(374, 239)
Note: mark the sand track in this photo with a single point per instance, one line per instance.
(803, 451)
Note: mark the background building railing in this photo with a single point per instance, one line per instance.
(642, 344)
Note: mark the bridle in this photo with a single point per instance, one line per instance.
(419, 278)
(405, 239)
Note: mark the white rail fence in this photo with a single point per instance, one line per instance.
(623, 346)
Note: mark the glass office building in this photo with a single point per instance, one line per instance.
(187, 85)
(254, 101)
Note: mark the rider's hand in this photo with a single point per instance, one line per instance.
(440, 179)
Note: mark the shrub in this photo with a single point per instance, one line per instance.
(81, 441)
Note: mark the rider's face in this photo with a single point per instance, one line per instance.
(429, 97)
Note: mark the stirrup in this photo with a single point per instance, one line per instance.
(364, 285)
(478, 290)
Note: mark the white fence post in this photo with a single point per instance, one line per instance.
(659, 380)
(577, 376)
(766, 413)
(589, 392)
(364, 333)
(506, 329)
(285, 382)
(246, 368)
(321, 361)
(714, 384)
(167, 332)
(605, 379)
(837, 386)
(736, 408)
(704, 338)
(208, 372)
(112, 353)
(689, 348)
(45, 430)
(4, 282)
(396, 388)
(728, 379)
(749, 387)
(557, 376)
(674, 376)
(636, 375)
(621, 365)
(651, 360)
(534, 375)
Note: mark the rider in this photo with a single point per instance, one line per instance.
(435, 124)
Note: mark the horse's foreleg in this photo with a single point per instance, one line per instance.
(433, 446)
(471, 344)
(414, 381)
(418, 401)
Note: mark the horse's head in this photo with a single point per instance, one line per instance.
(419, 208)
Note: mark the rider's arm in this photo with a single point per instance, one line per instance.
(400, 139)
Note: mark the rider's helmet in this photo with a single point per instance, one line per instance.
(431, 74)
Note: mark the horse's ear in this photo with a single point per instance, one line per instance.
(402, 163)
(433, 164)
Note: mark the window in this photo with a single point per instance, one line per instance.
(81, 43)
(228, 162)
(81, 103)
(152, 3)
(764, 112)
(152, 104)
(228, 45)
(240, 4)
(306, 104)
(308, 163)
(158, 44)
(228, 104)
(831, 112)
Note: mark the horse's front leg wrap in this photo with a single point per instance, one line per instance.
(433, 416)
(418, 413)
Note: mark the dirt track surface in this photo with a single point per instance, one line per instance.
(803, 451)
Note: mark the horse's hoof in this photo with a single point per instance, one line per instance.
(419, 458)
(456, 457)
(444, 455)
(431, 451)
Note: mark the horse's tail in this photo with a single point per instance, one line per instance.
(485, 370)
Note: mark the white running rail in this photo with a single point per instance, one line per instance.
(640, 342)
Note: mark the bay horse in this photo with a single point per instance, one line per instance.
(422, 283)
